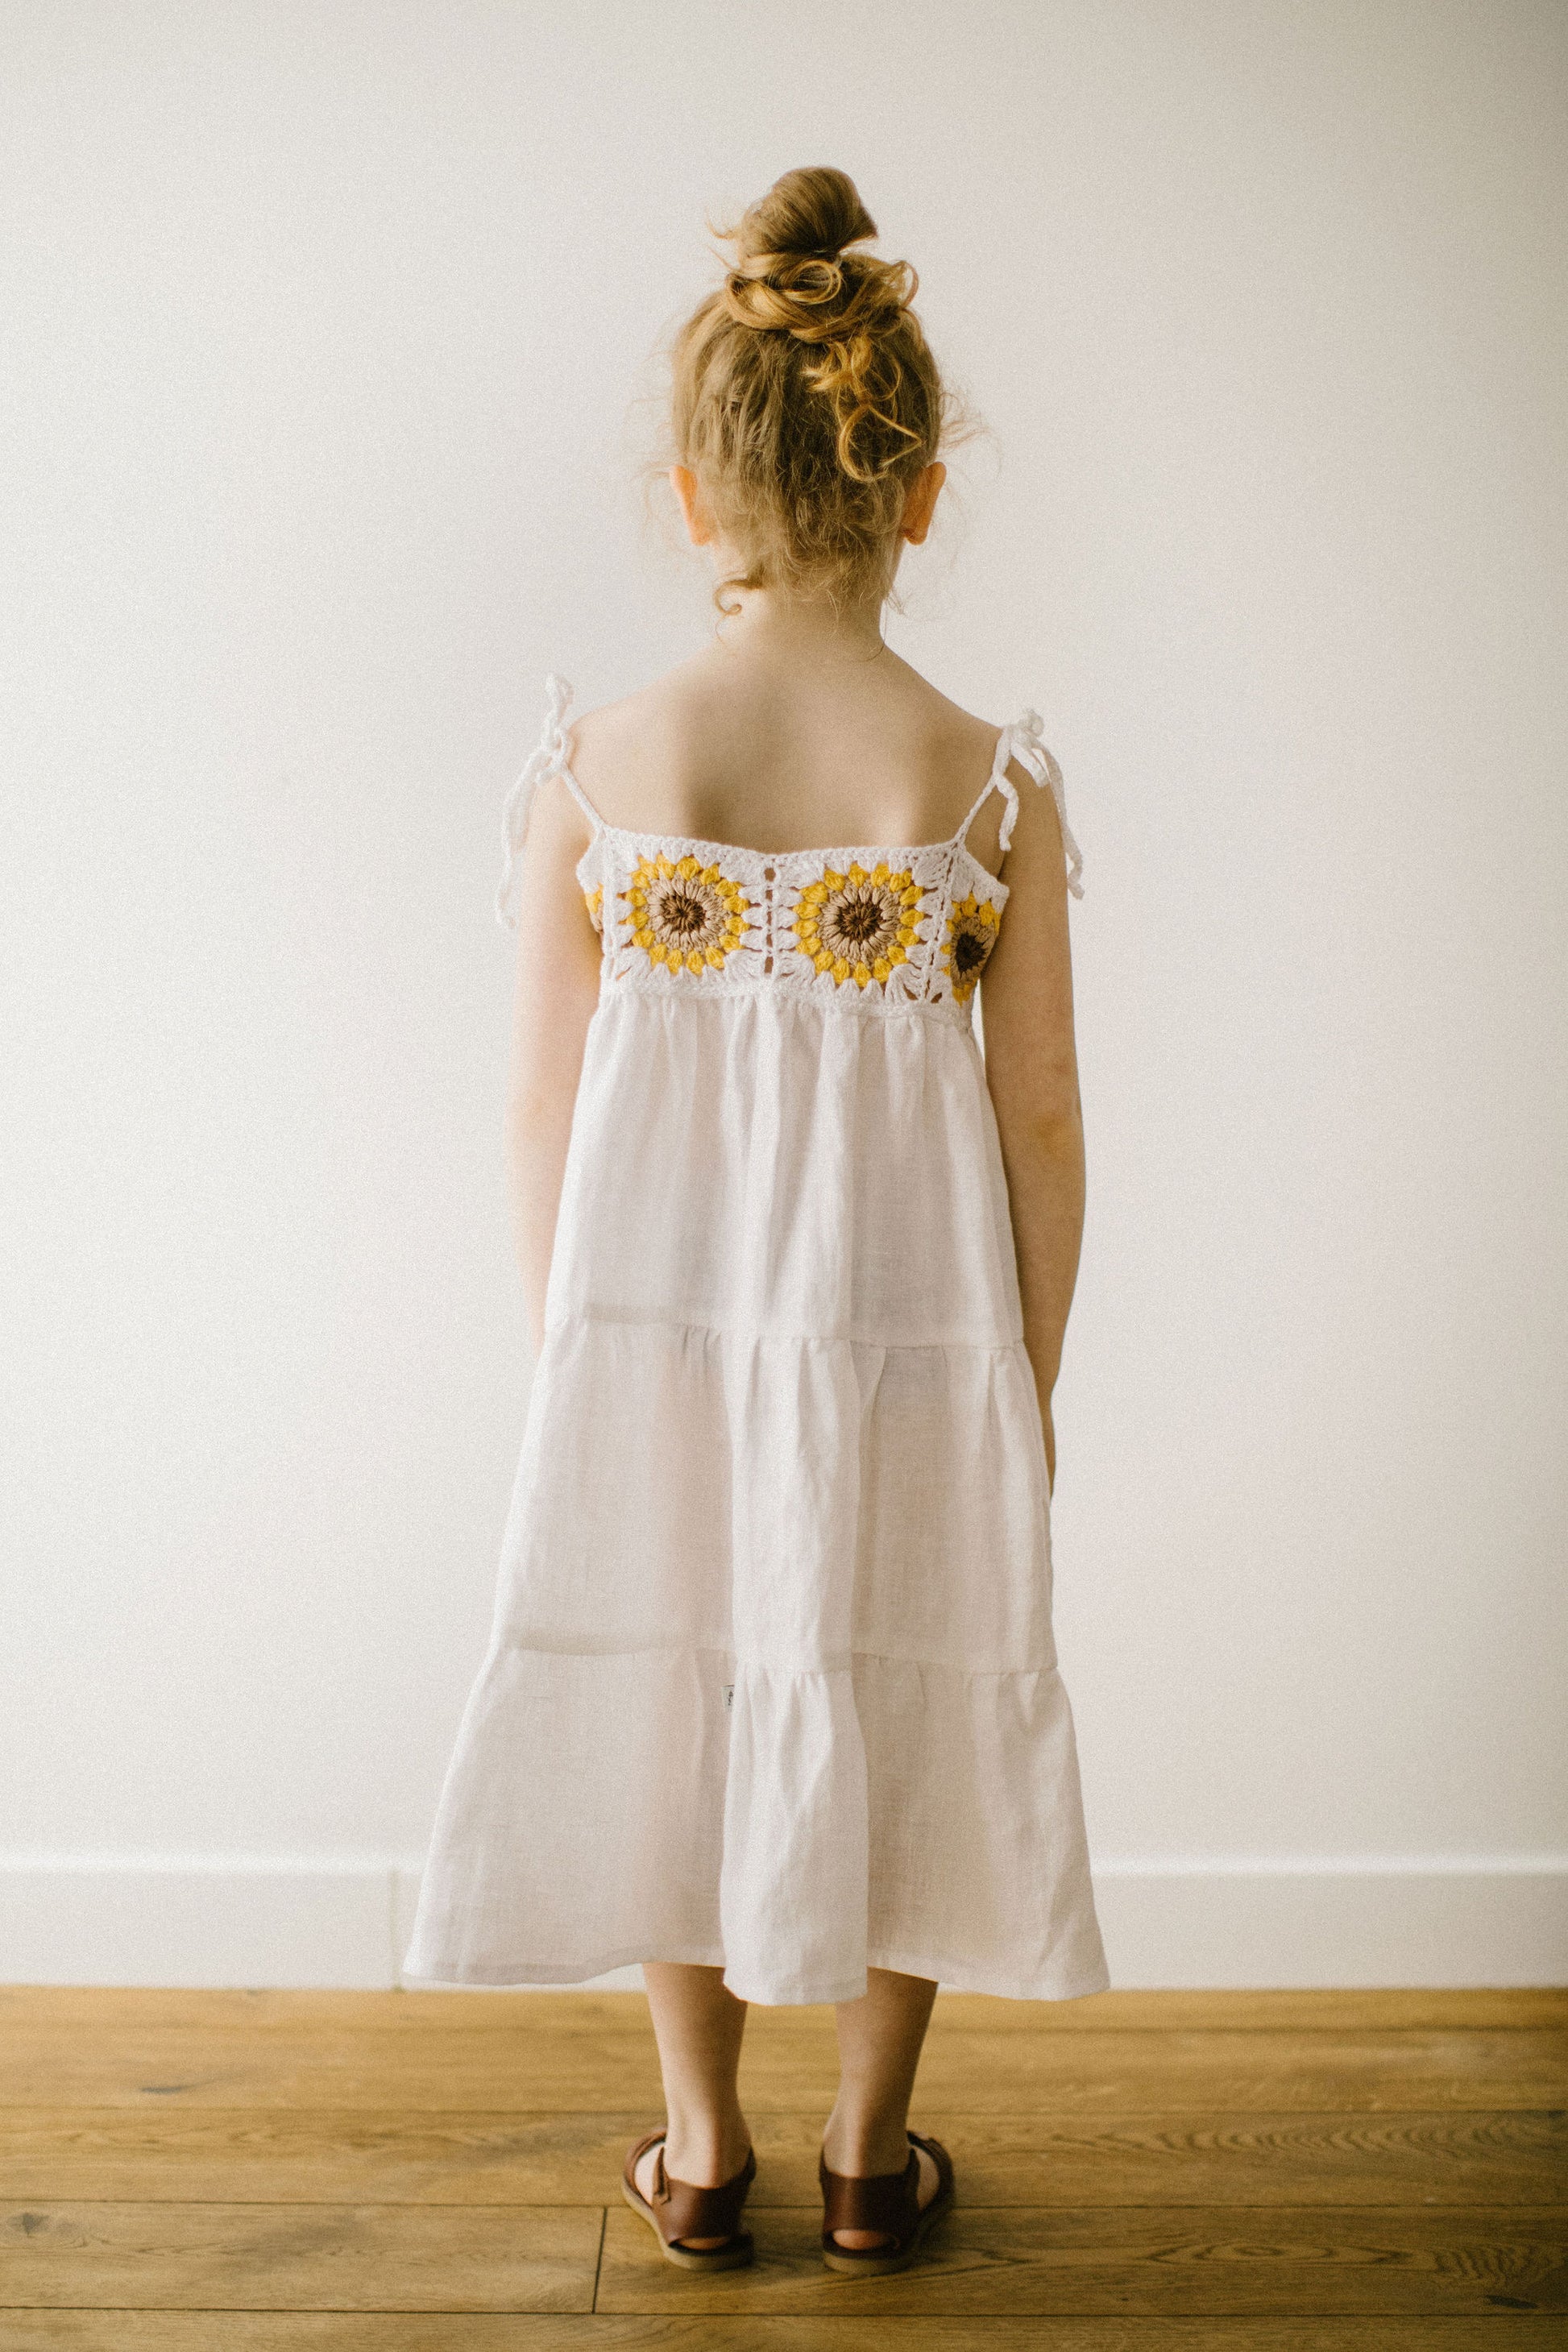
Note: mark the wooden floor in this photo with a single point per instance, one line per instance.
(395, 2172)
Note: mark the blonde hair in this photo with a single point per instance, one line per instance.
(805, 398)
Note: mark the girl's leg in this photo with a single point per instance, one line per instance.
(880, 2041)
(698, 2024)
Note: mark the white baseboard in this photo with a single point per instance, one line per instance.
(1292, 1922)
(221, 1919)
(1297, 1923)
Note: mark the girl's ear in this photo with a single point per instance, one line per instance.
(921, 504)
(698, 522)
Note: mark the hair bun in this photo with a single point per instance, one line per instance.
(792, 274)
(814, 212)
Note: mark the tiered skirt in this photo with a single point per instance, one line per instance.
(772, 1685)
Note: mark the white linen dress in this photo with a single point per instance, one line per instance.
(772, 1685)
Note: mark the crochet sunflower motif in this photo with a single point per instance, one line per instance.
(594, 900)
(858, 925)
(971, 929)
(684, 915)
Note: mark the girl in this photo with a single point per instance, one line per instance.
(772, 1702)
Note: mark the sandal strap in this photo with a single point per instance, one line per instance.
(885, 2201)
(685, 2210)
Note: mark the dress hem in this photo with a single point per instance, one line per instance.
(949, 1977)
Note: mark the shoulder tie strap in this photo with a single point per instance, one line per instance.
(1021, 741)
(547, 758)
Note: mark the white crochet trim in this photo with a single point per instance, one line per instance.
(548, 757)
(1022, 743)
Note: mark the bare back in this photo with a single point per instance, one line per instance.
(735, 749)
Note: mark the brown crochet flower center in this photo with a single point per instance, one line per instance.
(861, 923)
(686, 917)
(972, 943)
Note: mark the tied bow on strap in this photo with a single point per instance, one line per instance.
(549, 757)
(1026, 746)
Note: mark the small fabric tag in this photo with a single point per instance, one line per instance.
(728, 1695)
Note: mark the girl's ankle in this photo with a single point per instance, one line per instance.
(864, 2151)
(704, 2152)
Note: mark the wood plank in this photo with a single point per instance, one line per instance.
(264, 2156)
(300, 2258)
(1232, 2263)
(1371, 2011)
(173, 2331)
(56, 2066)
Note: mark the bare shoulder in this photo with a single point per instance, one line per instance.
(966, 746)
(957, 736)
(619, 744)
(601, 742)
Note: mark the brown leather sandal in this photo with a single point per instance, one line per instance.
(887, 2201)
(680, 2210)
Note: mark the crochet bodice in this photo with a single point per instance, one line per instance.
(864, 928)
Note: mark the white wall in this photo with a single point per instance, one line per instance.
(322, 326)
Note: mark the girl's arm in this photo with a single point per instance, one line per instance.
(557, 988)
(1031, 1068)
